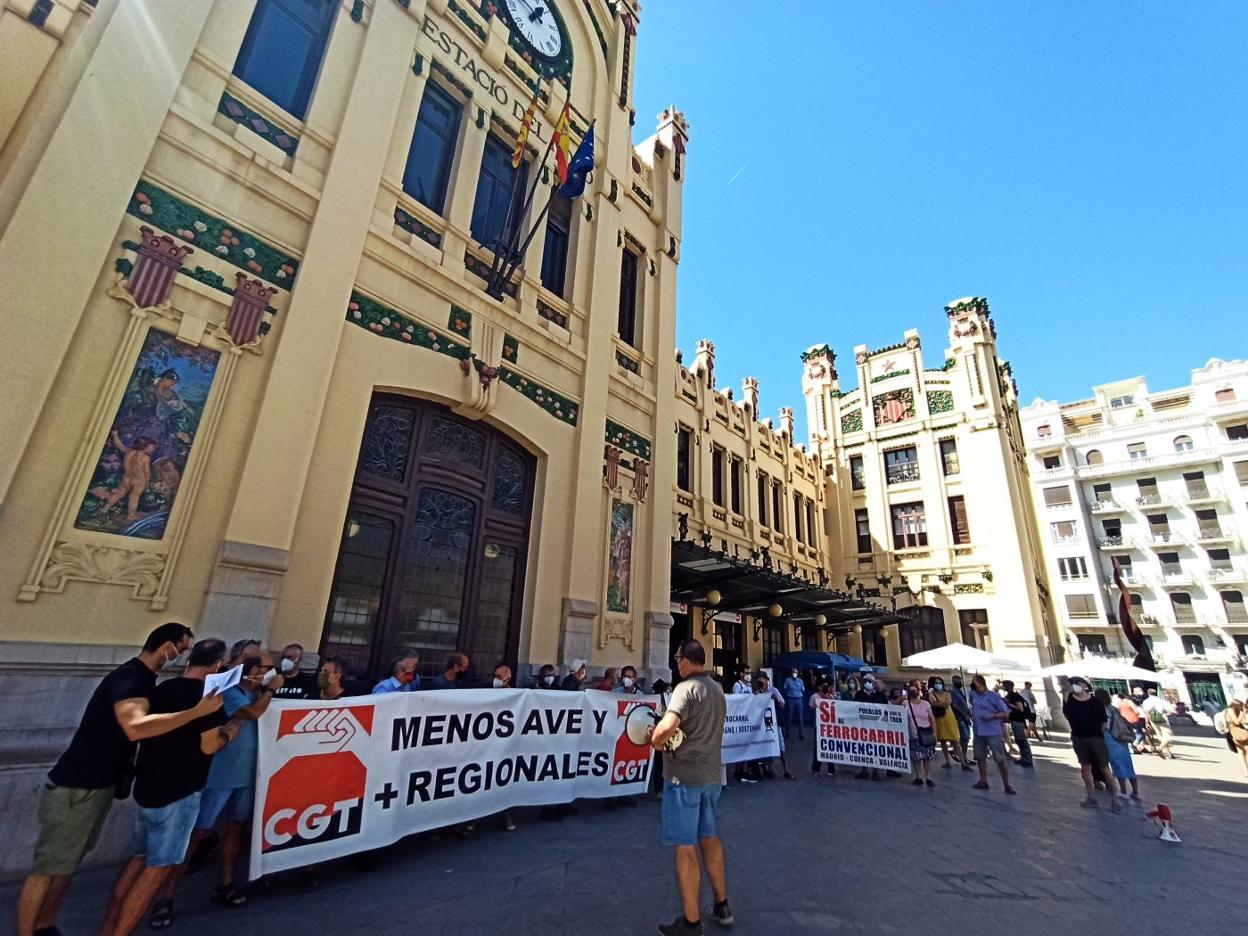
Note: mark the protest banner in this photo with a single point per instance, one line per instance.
(749, 729)
(862, 734)
(334, 778)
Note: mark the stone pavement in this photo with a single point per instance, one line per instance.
(825, 855)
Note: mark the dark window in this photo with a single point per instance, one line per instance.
(358, 587)
(973, 623)
(717, 475)
(799, 528)
(498, 187)
(1193, 645)
(777, 507)
(555, 253)
(1170, 564)
(949, 456)
(1220, 558)
(763, 485)
(811, 538)
(1093, 644)
(433, 145)
(1101, 493)
(734, 493)
(1233, 605)
(1241, 644)
(1113, 528)
(1195, 482)
(1207, 523)
(626, 326)
(863, 529)
(1181, 603)
(909, 526)
(957, 520)
(857, 476)
(1051, 461)
(1237, 433)
(282, 50)
(773, 642)
(1159, 526)
(922, 629)
(684, 441)
(810, 638)
(901, 465)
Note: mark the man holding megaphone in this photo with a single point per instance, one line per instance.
(693, 776)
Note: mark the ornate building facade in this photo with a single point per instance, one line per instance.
(258, 384)
(929, 505)
(1158, 482)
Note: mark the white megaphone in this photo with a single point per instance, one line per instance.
(638, 722)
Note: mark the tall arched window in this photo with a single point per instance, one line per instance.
(1183, 443)
(1181, 604)
(1094, 457)
(1233, 605)
(282, 50)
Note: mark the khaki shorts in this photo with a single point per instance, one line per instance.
(70, 821)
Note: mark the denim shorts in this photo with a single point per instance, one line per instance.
(232, 802)
(162, 834)
(689, 812)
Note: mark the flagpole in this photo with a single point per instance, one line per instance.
(503, 257)
(519, 253)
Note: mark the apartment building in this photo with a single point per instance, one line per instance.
(1156, 481)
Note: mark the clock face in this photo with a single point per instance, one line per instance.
(535, 21)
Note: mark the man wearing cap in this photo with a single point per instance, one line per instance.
(575, 678)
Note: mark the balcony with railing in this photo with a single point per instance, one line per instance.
(1115, 542)
(1226, 576)
(1173, 576)
(1149, 463)
(1131, 579)
(1105, 506)
(1153, 499)
(1164, 538)
(902, 472)
(1198, 494)
(1212, 534)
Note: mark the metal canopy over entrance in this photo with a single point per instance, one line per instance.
(749, 588)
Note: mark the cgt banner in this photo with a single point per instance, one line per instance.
(862, 734)
(749, 729)
(334, 778)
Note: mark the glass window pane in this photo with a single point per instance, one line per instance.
(433, 144)
(281, 52)
(434, 572)
(488, 643)
(355, 596)
(510, 483)
(452, 440)
(387, 443)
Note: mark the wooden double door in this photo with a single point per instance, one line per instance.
(432, 557)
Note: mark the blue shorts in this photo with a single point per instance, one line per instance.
(689, 812)
(162, 834)
(232, 802)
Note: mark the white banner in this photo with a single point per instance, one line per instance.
(334, 778)
(862, 734)
(750, 729)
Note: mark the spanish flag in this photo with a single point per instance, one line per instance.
(563, 145)
(517, 155)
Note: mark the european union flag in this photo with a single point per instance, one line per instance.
(580, 166)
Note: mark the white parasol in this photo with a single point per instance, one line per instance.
(961, 657)
(1102, 668)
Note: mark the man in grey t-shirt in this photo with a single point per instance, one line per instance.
(692, 780)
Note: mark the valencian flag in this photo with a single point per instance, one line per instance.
(525, 126)
(1143, 656)
(562, 143)
(580, 166)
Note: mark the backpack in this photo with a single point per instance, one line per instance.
(1157, 715)
(1119, 730)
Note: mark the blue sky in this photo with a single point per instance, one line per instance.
(854, 166)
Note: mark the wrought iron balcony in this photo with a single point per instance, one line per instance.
(1151, 500)
(902, 473)
(1176, 578)
(1227, 576)
(1107, 506)
(1169, 538)
(1114, 542)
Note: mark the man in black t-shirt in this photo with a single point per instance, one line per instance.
(170, 772)
(81, 786)
(1020, 709)
(297, 684)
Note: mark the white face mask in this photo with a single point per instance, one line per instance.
(288, 665)
(548, 680)
(172, 662)
(868, 685)
(498, 683)
(628, 682)
(1079, 689)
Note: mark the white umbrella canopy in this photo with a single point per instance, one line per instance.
(1101, 668)
(960, 656)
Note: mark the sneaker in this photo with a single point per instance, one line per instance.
(748, 779)
(722, 914)
(1089, 803)
(509, 824)
(931, 783)
(678, 927)
(1011, 791)
(917, 781)
(980, 786)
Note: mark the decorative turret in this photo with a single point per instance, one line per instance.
(704, 362)
(820, 383)
(749, 395)
(970, 321)
(786, 422)
(674, 134)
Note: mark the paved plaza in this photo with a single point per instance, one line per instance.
(825, 855)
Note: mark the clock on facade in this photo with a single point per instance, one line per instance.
(538, 26)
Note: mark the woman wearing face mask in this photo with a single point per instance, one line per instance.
(945, 722)
(546, 680)
(851, 690)
(922, 736)
(1087, 718)
(1118, 735)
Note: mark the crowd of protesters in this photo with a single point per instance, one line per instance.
(188, 756)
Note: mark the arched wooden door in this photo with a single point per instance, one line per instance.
(433, 550)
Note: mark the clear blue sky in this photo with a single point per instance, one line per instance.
(854, 166)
